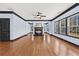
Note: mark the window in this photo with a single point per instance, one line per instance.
(73, 25)
(68, 26)
(77, 25)
(31, 26)
(56, 27)
(38, 25)
(63, 26)
(45, 26)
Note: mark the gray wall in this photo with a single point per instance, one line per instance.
(19, 27)
(50, 27)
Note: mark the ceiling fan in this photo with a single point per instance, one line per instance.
(39, 15)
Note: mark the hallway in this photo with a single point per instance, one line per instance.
(30, 45)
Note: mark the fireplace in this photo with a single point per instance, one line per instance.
(38, 29)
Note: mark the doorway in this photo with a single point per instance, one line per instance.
(4, 29)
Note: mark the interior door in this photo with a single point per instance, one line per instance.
(4, 29)
(0, 30)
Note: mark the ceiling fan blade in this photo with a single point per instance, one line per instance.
(34, 15)
(39, 13)
(40, 17)
(43, 16)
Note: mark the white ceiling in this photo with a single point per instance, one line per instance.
(26, 10)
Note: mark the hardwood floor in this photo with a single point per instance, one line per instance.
(38, 46)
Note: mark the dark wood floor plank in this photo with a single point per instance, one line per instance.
(38, 46)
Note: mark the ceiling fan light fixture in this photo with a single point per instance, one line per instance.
(39, 15)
